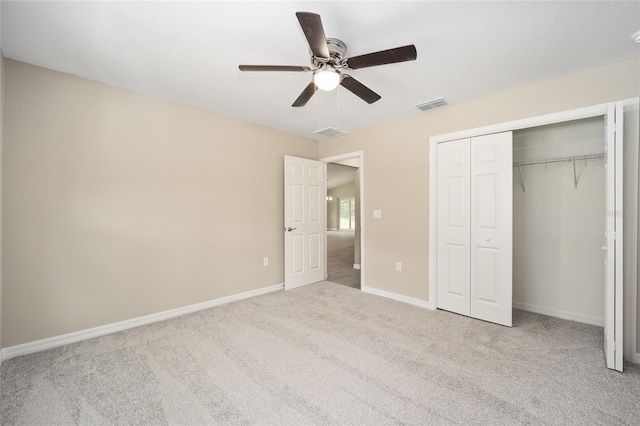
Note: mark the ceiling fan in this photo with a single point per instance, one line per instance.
(328, 64)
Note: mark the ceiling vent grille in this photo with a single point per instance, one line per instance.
(329, 132)
(432, 104)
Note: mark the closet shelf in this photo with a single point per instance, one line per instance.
(573, 160)
(560, 160)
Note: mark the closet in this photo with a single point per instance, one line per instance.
(528, 215)
(559, 220)
(521, 223)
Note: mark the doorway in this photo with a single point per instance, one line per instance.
(344, 219)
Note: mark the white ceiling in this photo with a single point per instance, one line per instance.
(189, 52)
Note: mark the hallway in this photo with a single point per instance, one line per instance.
(340, 254)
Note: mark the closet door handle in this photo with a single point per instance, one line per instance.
(487, 239)
(604, 248)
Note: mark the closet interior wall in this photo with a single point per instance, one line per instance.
(558, 230)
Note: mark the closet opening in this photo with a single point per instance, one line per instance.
(559, 220)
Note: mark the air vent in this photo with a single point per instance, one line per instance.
(329, 132)
(432, 104)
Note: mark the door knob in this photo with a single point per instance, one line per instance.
(604, 248)
(289, 229)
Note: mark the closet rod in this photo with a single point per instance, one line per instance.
(560, 160)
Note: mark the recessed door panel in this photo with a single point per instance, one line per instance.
(487, 277)
(298, 253)
(297, 170)
(457, 157)
(314, 208)
(457, 199)
(487, 196)
(313, 173)
(485, 155)
(314, 251)
(297, 204)
(457, 284)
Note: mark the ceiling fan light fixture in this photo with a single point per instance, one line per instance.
(326, 78)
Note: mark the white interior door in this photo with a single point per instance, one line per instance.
(613, 248)
(453, 247)
(304, 223)
(492, 227)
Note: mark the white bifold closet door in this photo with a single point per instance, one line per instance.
(614, 248)
(474, 242)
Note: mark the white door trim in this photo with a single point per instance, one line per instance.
(349, 156)
(541, 120)
(632, 126)
(630, 178)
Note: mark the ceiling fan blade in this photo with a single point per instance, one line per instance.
(273, 68)
(390, 56)
(359, 89)
(306, 94)
(312, 27)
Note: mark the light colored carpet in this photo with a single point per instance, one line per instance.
(325, 354)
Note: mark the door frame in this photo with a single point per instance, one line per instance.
(342, 157)
(630, 198)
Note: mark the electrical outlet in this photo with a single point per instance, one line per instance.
(265, 261)
(398, 266)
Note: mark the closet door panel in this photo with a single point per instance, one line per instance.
(491, 227)
(487, 276)
(456, 277)
(453, 257)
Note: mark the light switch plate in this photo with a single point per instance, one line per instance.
(377, 214)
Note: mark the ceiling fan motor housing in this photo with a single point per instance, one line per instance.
(337, 50)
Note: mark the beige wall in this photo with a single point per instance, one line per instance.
(333, 207)
(119, 205)
(397, 164)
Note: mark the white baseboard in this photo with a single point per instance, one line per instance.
(356, 266)
(636, 358)
(400, 298)
(586, 319)
(65, 339)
